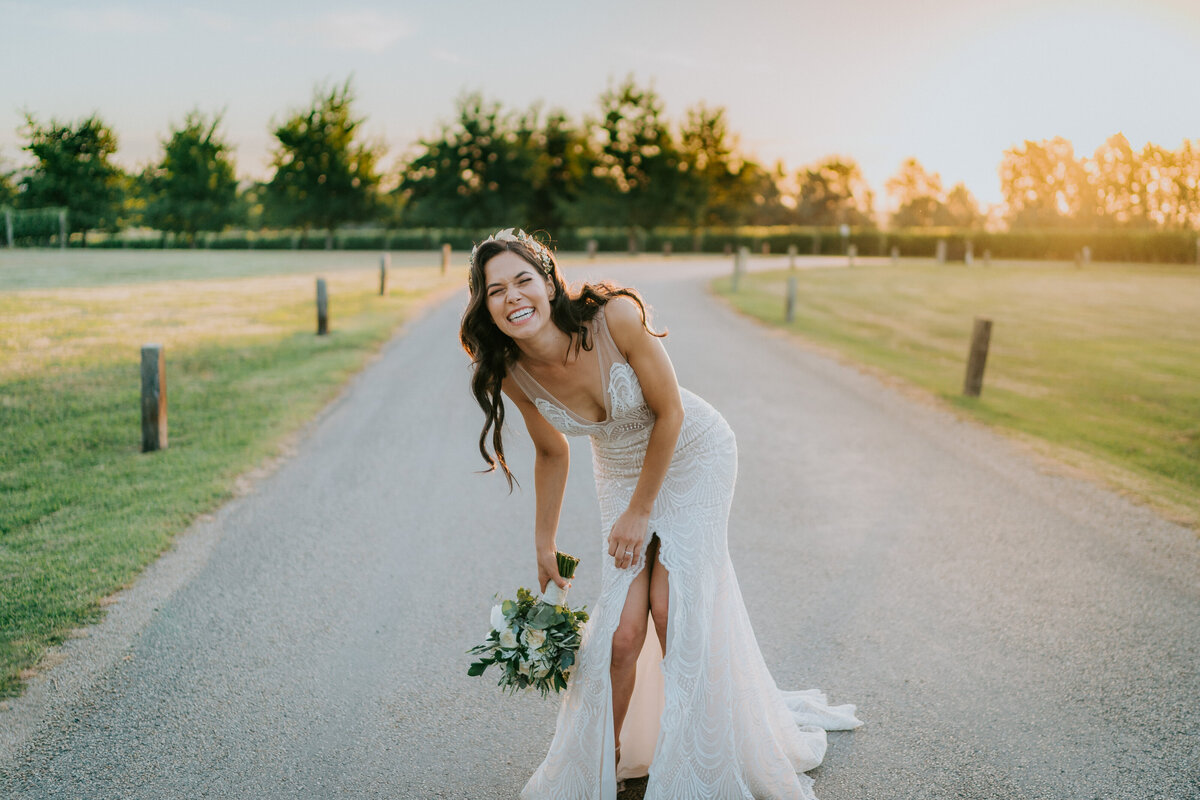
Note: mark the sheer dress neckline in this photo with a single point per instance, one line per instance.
(596, 324)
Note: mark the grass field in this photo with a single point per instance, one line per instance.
(1098, 368)
(84, 511)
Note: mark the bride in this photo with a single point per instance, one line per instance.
(669, 680)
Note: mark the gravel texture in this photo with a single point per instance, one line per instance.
(1006, 630)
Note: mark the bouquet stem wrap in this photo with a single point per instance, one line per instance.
(554, 595)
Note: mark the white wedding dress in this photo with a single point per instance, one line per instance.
(707, 721)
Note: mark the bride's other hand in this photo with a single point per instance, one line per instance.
(625, 540)
(548, 571)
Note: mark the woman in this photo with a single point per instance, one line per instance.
(710, 721)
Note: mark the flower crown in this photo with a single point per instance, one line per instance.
(513, 235)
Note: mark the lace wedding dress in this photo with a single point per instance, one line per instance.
(710, 723)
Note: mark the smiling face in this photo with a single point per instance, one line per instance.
(518, 295)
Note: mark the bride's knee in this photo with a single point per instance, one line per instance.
(627, 643)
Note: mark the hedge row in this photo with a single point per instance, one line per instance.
(1106, 245)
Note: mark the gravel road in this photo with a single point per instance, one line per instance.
(1007, 631)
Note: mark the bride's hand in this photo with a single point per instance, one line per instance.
(625, 540)
(548, 571)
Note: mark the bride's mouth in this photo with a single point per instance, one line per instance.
(520, 315)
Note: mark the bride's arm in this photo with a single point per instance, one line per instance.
(660, 387)
(552, 463)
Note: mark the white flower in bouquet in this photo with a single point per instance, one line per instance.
(499, 623)
(508, 639)
(534, 639)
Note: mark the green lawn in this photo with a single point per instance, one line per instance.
(1099, 367)
(84, 511)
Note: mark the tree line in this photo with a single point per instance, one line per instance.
(624, 166)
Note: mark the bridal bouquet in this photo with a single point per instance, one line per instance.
(533, 640)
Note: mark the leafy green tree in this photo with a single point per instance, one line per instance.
(834, 192)
(324, 174)
(1044, 184)
(636, 180)
(193, 188)
(8, 189)
(476, 172)
(1172, 184)
(73, 169)
(918, 195)
(960, 209)
(563, 157)
(1117, 195)
(710, 179)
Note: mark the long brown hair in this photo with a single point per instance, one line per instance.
(493, 352)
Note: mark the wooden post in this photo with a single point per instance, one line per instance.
(385, 261)
(1087, 256)
(322, 308)
(980, 337)
(941, 251)
(739, 264)
(969, 256)
(62, 229)
(728, 249)
(790, 307)
(766, 248)
(592, 246)
(895, 255)
(8, 229)
(987, 258)
(667, 249)
(445, 257)
(154, 398)
(851, 252)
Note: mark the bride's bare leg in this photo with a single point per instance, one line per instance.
(659, 595)
(627, 645)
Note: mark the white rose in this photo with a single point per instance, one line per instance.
(523, 668)
(498, 621)
(534, 639)
(508, 639)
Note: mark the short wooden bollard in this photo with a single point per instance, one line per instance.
(766, 248)
(592, 247)
(739, 264)
(851, 253)
(941, 251)
(792, 250)
(666, 249)
(385, 261)
(980, 337)
(727, 249)
(895, 255)
(322, 308)
(154, 398)
(445, 257)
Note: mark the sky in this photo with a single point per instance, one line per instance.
(952, 82)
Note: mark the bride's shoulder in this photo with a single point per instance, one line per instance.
(624, 319)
